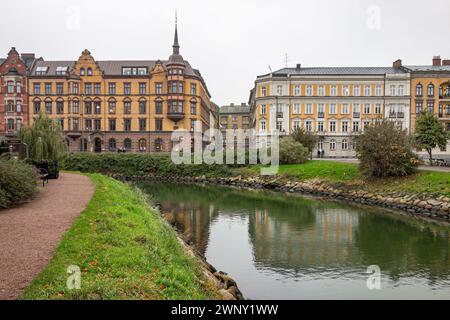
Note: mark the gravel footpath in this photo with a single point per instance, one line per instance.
(30, 232)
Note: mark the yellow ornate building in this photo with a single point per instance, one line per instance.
(130, 105)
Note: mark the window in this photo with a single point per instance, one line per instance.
(345, 109)
(367, 108)
(112, 145)
(88, 107)
(333, 108)
(321, 110)
(296, 90)
(366, 124)
(263, 109)
(10, 106)
(193, 89)
(279, 90)
(193, 125)
(127, 144)
(142, 107)
(308, 125)
(332, 144)
(158, 88)
(127, 124)
(158, 145)
(296, 124)
(88, 124)
(430, 90)
(158, 124)
(76, 106)
(19, 87)
(89, 71)
(401, 90)
(419, 90)
(40, 71)
(112, 107)
(129, 71)
(60, 88)
(308, 108)
(142, 88)
(142, 144)
(297, 108)
(87, 88)
(263, 91)
(48, 88)
(127, 107)
(37, 88)
(333, 91)
(59, 107)
(19, 106)
(61, 70)
(19, 124)
(345, 90)
(430, 106)
(112, 124)
(419, 107)
(158, 107)
(97, 88)
(97, 125)
(48, 107)
(378, 91)
(309, 90)
(97, 107)
(142, 124)
(356, 90)
(332, 126)
(344, 144)
(367, 91)
(321, 91)
(112, 88)
(10, 124)
(392, 90)
(279, 125)
(10, 88)
(320, 126)
(61, 123)
(262, 125)
(75, 123)
(355, 126)
(356, 109)
(193, 107)
(344, 126)
(75, 88)
(82, 72)
(37, 106)
(127, 88)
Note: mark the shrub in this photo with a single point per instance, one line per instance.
(292, 152)
(17, 182)
(430, 134)
(385, 150)
(306, 138)
(138, 164)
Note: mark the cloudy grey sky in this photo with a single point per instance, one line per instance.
(232, 41)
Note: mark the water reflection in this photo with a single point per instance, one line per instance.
(292, 247)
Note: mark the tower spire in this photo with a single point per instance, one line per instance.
(176, 46)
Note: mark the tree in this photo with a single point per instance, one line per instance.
(306, 138)
(430, 134)
(292, 152)
(43, 140)
(385, 150)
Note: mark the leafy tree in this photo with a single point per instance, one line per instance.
(306, 138)
(385, 150)
(430, 134)
(43, 140)
(292, 152)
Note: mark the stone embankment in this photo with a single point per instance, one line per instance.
(419, 205)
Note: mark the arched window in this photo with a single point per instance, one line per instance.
(127, 144)
(89, 71)
(158, 145)
(430, 90)
(419, 90)
(344, 144)
(332, 145)
(83, 144)
(112, 145)
(82, 73)
(142, 145)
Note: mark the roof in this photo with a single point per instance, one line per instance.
(234, 109)
(52, 65)
(428, 68)
(336, 71)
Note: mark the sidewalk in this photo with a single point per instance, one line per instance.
(30, 232)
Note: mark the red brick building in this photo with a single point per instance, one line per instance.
(14, 110)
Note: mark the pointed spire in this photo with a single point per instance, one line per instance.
(176, 46)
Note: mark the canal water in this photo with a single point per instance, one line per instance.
(288, 247)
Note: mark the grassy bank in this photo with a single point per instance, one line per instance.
(124, 249)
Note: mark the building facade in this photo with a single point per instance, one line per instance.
(128, 105)
(235, 117)
(14, 110)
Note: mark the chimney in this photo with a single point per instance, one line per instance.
(446, 62)
(298, 66)
(397, 63)
(28, 56)
(436, 60)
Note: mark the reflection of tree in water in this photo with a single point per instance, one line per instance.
(399, 247)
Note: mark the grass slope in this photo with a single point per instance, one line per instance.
(124, 249)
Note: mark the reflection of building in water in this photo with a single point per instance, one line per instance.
(192, 220)
(327, 240)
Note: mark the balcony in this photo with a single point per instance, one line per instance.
(74, 133)
(175, 115)
(356, 114)
(279, 114)
(11, 133)
(321, 114)
(400, 115)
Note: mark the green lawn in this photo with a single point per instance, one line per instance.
(421, 182)
(124, 249)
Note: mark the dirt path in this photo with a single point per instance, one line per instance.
(30, 233)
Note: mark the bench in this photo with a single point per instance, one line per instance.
(43, 175)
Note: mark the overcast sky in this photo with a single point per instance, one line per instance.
(232, 41)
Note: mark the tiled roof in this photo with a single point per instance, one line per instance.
(234, 109)
(337, 71)
(428, 68)
(52, 65)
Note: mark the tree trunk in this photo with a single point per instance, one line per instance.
(430, 156)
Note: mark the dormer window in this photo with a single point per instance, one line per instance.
(82, 72)
(89, 71)
(134, 71)
(40, 71)
(62, 70)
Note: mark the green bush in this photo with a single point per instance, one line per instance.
(384, 150)
(138, 164)
(292, 152)
(17, 182)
